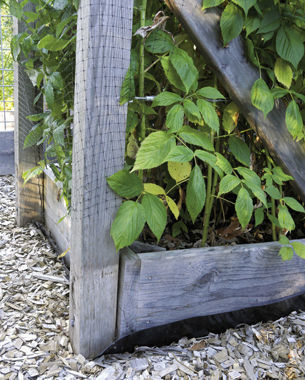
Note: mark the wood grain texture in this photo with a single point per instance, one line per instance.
(7, 153)
(54, 210)
(29, 197)
(103, 55)
(237, 76)
(164, 287)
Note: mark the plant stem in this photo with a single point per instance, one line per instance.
(274, 237)
(142, 131)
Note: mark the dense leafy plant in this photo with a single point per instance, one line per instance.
(46, 49)
(193, 149)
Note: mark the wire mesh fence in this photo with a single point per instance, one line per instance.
(6, 71)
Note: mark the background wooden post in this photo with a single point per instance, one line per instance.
(29, 197)
(103, 54)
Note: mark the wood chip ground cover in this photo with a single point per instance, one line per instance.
(34, 342)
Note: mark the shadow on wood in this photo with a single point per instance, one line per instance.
(7, 165)
(237, 76)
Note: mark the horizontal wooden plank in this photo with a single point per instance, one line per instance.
(164, 287)
(54, 210)
(7, 165)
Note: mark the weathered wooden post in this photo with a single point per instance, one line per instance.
(29, 197)
(103, 53)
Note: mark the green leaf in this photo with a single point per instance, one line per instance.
(33, 136)
(211, 3)
(156, 215)
(259, 216)
(257, 191)
(294, 204)
(171, 74)
(194, 137)
(240, 150)
(284, 240)
(230, 117)
(125, 184)
(210, 93)
(166, 98)
(231, 23)
(175, 118)
(285, 219)
(159, 42)
(128, 224)
(245, 4)
(179, 171)
(209, 114)
(223, 163)
(52, 43)
(273, 192)
(180, 153)
(294, 119)
(185, 68)
(154, 189)
(192, 112)
(228, 183)
(273, 220)
(262, 97)
(59, 5)
(283, 72)
(279, 176)
(210, 159)
(59, 135)
(289, 45)
(172, 206)
(299, 248)
(49, 94)
(244, 207)
(33, 172)
(128, 91)
(271, 21)
(154, 150)
(250, 176)
(251, 24)
(195, 193)
(286, 253)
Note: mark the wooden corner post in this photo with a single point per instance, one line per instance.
(103, 53)
(29, 196)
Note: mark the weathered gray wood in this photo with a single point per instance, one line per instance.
(29, 197)
(237, 76)
(103, 54)
(160, 288)
(7, 153)
(54, 210)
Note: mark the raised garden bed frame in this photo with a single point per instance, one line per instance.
(113, 295)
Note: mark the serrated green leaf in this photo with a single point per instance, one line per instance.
(154, 189)
(294, 120)
(192, 112)
(209, 159)
(194, 137)
(294, 204)
(262, 97)
(33, 136)
(285, 219)
(166, 98)
(283, 72)
(279, 176)
(52, 43)
(210, 93)
(244, 207)
(299, 248)
(271, 21)
(154, 150)
(245, 4)
(180, 153)
(231, 22)
(185, 68)
(175, 118)
(249, 175)
(284, 240)
(49, 94)
(209, 114)
(223, 163)
(159, 42)
(289, 45)
(211, 3)
(125, 184)
(257, 191)
(195, 193)
(179, 171)
(171, 74)
(230, 117)
(259, 216)
(251, 24)
(128, 91)
(274, 220)
(286, 253)
(273, 192)
(128, 224)
(155, 213)
(240, 150)
(228, 183)
(172, 206)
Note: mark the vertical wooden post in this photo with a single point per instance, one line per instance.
(103, 55)
(29, 197)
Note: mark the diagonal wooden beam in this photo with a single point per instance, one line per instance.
(237, 76)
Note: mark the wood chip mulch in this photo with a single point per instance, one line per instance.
(34, 342)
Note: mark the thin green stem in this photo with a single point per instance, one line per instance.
(142, 131)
